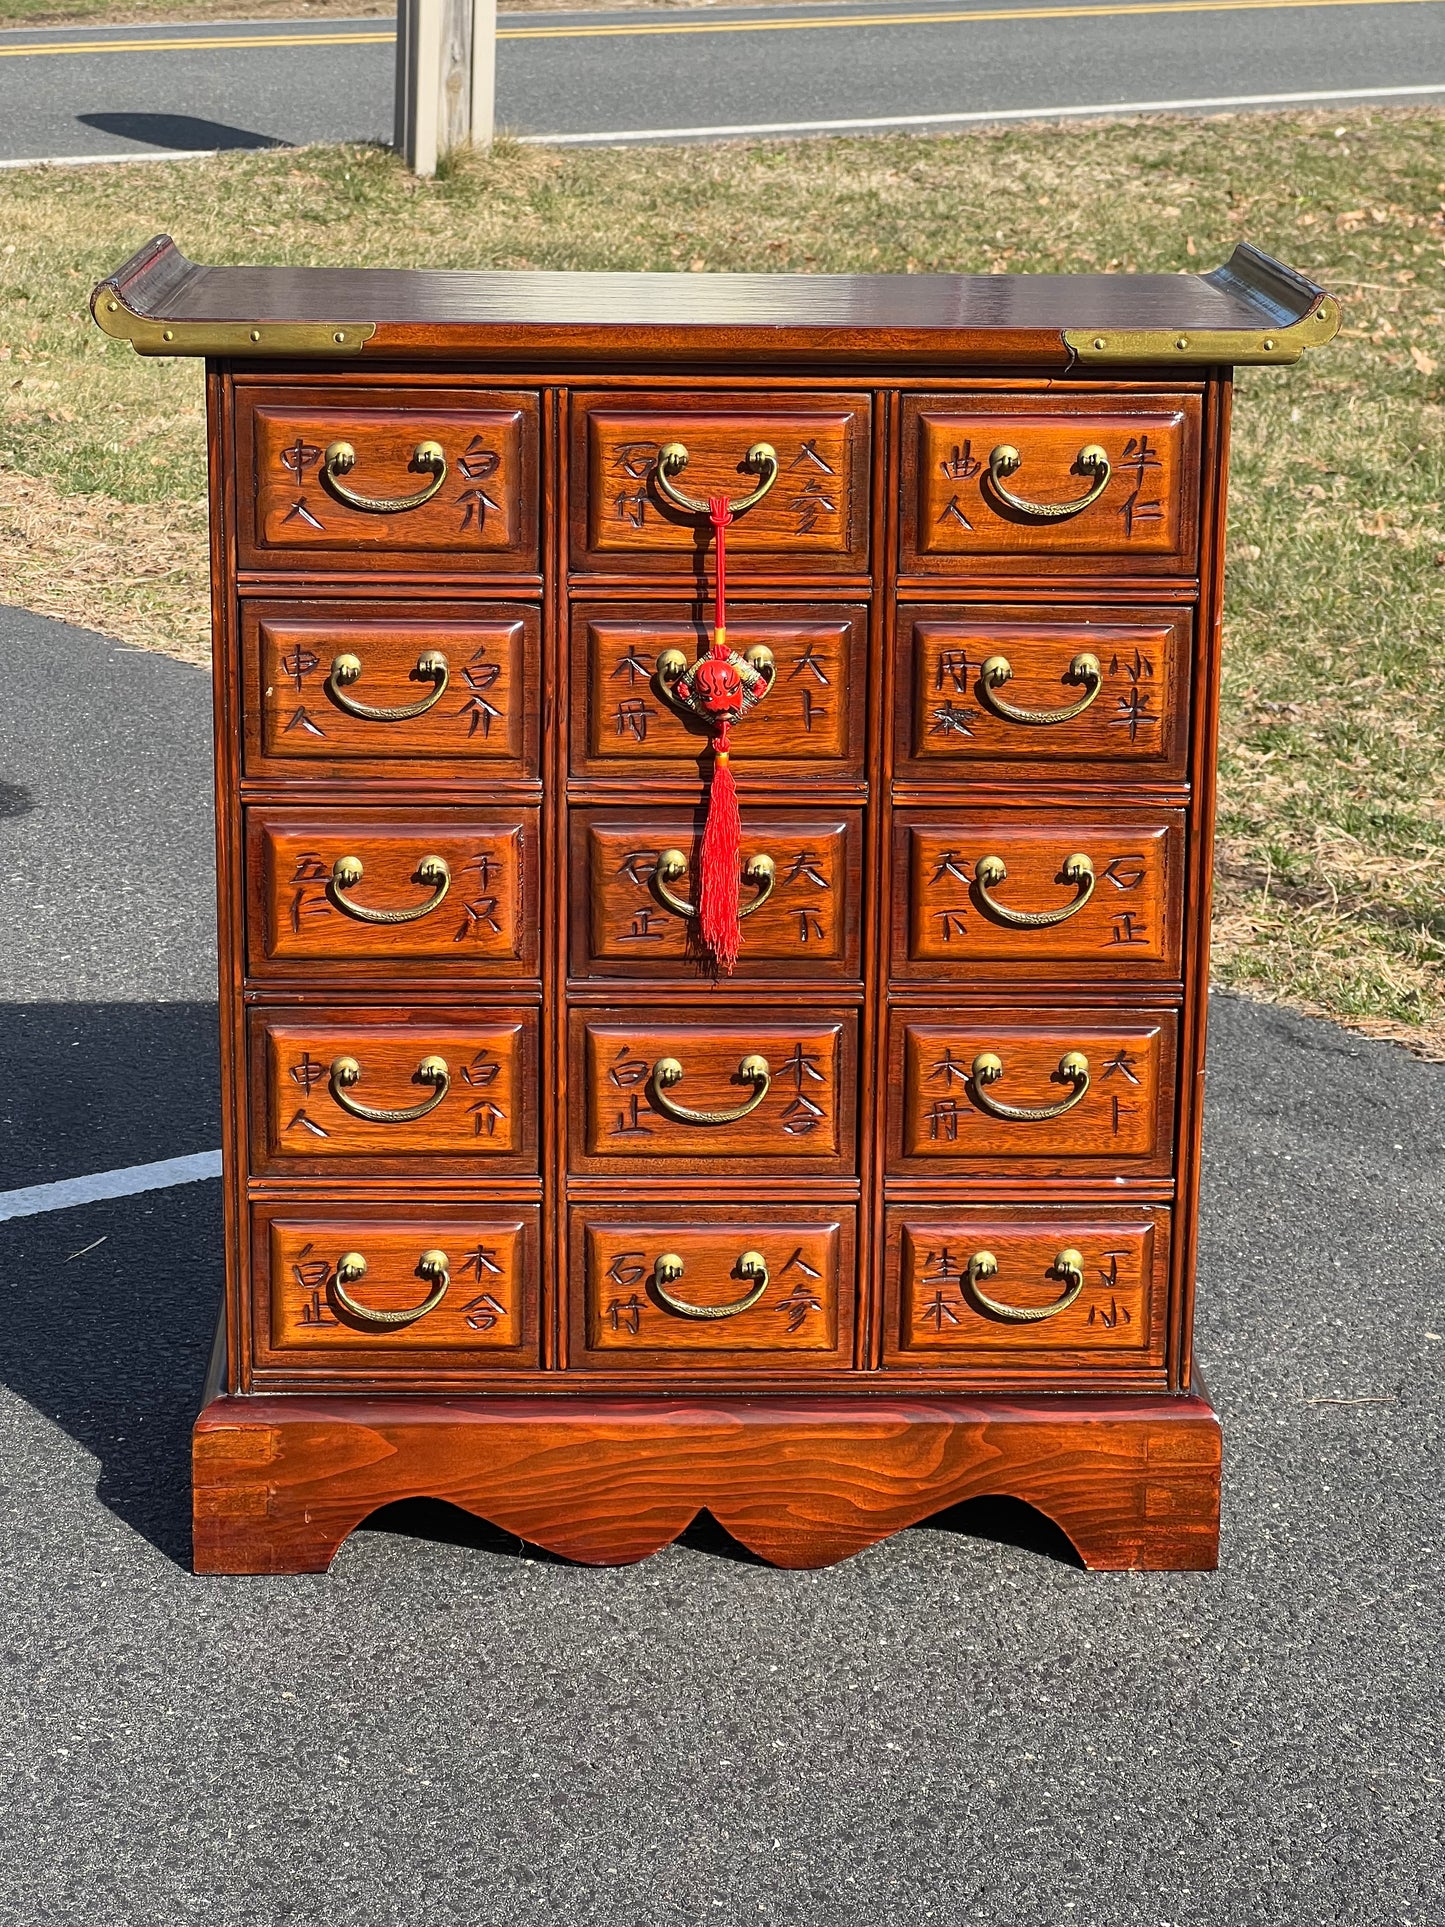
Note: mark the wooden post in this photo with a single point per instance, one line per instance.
(446, 54)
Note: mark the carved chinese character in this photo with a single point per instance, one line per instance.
(483, 1312)
(810, 926)
(951, 667)
(1125, 872)
(634, 665)
(948, 1067)
(1122, 1064)
(950, 719)
(635, 459)
(303, 1121)
(647, 926)
(1135, 713)
(307, 1072)
(482, 1071)
(625, 1314)
(951, 923)
(474, 504)
(803, 1067)
(950, 864)
(628, 1269)
(938, 1310)
(479, 461)
(811, 708)
(297, 664)
(481, 1258)
(804, 865)
(961, 465)
(298, 512)
(303, 720)
(631, 506)
(486, 1117)
(942, 1117)
(952, 511)
(809, 662)
(809, 505)
(1127, 927)
(808, 454)
(633, 716)
(800, 1117)
(299, 458)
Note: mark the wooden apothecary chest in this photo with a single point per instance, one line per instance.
(530, 1205)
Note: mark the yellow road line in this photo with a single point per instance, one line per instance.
(612, 31)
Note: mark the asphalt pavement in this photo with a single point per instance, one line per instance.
(695, 73)
(958, 1726)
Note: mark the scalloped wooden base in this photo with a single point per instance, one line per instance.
(803, 1482)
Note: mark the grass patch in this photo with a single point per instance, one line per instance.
(1332, 810)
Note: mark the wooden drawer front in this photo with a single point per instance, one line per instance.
(807, 923)
(1136, 718)
(809, 725)
(814, 518)
(952, 909)
(940, 1282)
(484, 515)
(482, 926)
(486, 1317)
(1122, 1124)
(305, 718)
(803, 1316)
(322, 1076)
(803, 1124)
(1144, 521)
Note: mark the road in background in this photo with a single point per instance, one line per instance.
(92, 92)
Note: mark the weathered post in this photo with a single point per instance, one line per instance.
(445, 78)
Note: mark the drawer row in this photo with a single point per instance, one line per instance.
(448, 479)
(403, 690)
(715, 1093)
(982, 1291)
(989, 892)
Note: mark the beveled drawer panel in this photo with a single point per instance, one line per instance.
(633, 1309)
(293, 498)
(464, 883)
(957, 511)
(476, 1268)
(628, 1113)
(391, 1091)
(1111, 1116)
(323, 682)
(813, 519)
(1044, 707)
(810, 725)
(969, 888)
(804, 872)
(1053, 1289)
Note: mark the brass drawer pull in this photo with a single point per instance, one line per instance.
(340, 459)
(347, 872)
(431, 667)
(667, 1071)
(672, 460)
(434, 1266)
(990, 871)
(1005, 459)
(1068, 1265)
(669, 1268)
(760, 871)
(997, 670)
(346, 1071)
(988, 1068)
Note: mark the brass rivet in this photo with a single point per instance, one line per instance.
(1268, 343)
(255, 334)
(1182, 342)
(168, 334)
(1099, 341)
(339, 335)
(112, 307)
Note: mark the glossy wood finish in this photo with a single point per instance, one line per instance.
(483, 726)
(803, 1318)
(486, 1320)
(814, 519)
(810, 725)
(1136, 727)
(1145, 522)
(1132, 1482)
(483, 517)
(808, 925)
(1129, 926)
(805, 1123)
(483, 1119)
(481, 927)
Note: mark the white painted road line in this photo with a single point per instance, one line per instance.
(115, 160)
(884, 122)
(35, 1198)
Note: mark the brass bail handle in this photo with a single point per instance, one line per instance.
(669, 1268)
(340, 459)
(668, 1072)
(346, 1071)
(1005, 459)
(672, 459)
(347, 872)
(990, 871)
(760, 871)
(433, 1266)
(431, 666)
(1068, 1265)
(997, 670)
(987, 1068)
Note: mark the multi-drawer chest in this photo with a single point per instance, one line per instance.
(712, 1046)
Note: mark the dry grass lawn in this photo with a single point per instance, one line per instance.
(1333, 798)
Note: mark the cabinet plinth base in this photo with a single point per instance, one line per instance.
(803, 1482)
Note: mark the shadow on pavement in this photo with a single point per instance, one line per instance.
(185, 132)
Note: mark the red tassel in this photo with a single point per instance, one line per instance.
(719, 894)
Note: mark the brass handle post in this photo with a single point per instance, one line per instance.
(990, 871)
(667, 1072)
(433, 1266)
(760, 871)
(672, 459)
(340, 459)
(988, 1069)
(1068, 1265)
(669, 1268)
(431, 667)
(997, 670)
(347, 872)
(1004, 460)
(346, 1071)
